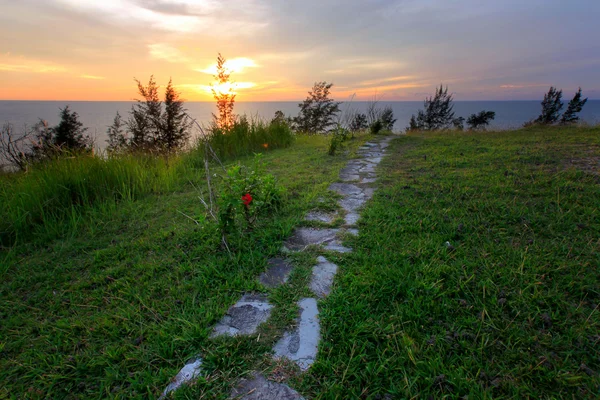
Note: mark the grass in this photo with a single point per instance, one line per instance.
(510, 310)
(507, 309)
(113, 307)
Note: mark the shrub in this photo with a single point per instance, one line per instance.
(244, 137)
(358, 123)
(318, 111)
(575, 106)
(551, 106)
(480, 120)
(437, 114)
(387, 119)
(376, 127)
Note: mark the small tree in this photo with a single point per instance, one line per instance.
(387, 119)
(551, 106)
(318, 111)
(175, 125)
(69, 133)
(358, 123)
(438, 113)
(223, 94)
(459, 123)
(480, 120)
(117, 141)
(575, 106)
(146, 117)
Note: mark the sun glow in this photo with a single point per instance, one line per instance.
(234, 65)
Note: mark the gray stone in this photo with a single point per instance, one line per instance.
(351, 218)
(301, 345)
(321, 216)
(352, 231)
(337, 247)
(352, 203)
(345, 189)
(368, 180)
(259, 388)
(277, 274)
(189, 372)
(322, 277)
(303, 237)
(244, 317)
(373, 160)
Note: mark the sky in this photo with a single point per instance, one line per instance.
(277, 49)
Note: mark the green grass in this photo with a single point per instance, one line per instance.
(510, 311)
(114, 306)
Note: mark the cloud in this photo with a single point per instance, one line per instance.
(10, 63)
(93, 77)
(522, 86)
(223, 88)
(183, 16)
(162, 51)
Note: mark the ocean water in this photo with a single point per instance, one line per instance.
(98, 115)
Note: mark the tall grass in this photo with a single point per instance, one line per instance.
(246, 136)
(58, 192)
(54, 191)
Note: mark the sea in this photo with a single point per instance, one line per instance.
(98, 115)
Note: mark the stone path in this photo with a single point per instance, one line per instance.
(299, 344)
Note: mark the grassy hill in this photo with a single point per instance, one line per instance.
(475, 273)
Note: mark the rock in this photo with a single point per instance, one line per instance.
(259, 388)
(301, 344)
(303, 237)
(189, 372)
(337, 247)
(320, 216)
(322, 277)
(244, 317)
(351, 218)
(277, 274)
(345, 189)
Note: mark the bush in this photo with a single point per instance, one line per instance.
(376, 127)
(437, 114)
(481, 120)
(358, 123)
(245, 137)
(551, 106)
(244, 194)
(318, 111)
(575, 106)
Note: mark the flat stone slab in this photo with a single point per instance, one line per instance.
(345, 189)
(189, 372)
(259, 388)
(337, 247)
(322, 277)
(301, 345)
(277, 274)
(244, 317)
(303, 237)
(351, 218)
(320, 216)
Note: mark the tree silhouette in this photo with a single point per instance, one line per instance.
(437, 114)
(117, 141)
(223, 94)
(551, 106)
(175, 125)
(318, 111)
(575, 106)
(69, 133)
(480, 120)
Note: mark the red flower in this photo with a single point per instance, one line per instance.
(247, 199)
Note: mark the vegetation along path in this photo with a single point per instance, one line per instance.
(300, 342)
